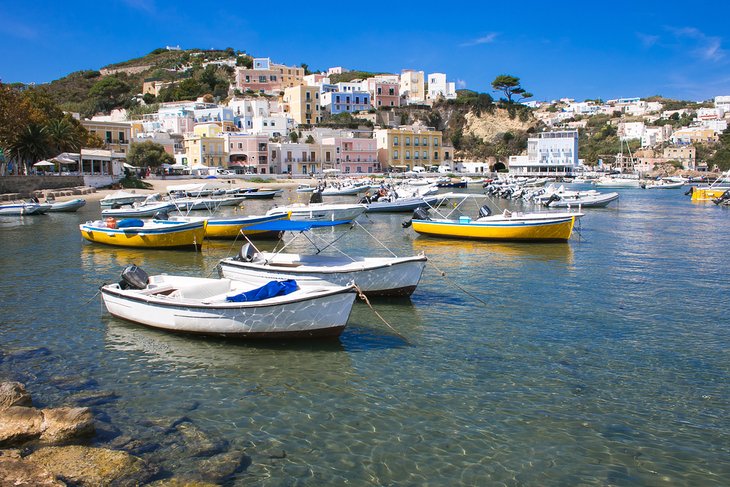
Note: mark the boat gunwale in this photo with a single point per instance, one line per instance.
(303, 269)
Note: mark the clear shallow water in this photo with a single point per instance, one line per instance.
(600, 362)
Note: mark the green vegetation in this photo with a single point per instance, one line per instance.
(510, 86)
(351, 75)
(721, 157)
(344, 120)
(132, 182)
(148, 154)
(33, 127)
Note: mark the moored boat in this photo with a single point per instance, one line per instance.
(121, 198)
(137, 233)
(585, 200)
(20, 209)
(375, 276)
(67, 206)
(506, 226)
(224, 307)
(341, 212)
(233, 226)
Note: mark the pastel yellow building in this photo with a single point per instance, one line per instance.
(205, 145)
(406, 147)
(303, 104)
(115, 135)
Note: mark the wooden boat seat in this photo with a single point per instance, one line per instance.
(164, 289)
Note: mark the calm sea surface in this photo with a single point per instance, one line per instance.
(603, 361)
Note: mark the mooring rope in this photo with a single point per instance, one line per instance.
(443, 274)
(95, 295)
(365, 298)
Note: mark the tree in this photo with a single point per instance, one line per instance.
(110, 92)
(310, 139)
(294, 137)
(510, 86)
(148, 154)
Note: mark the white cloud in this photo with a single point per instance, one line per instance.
(487, 39)
(647, 40)
(144, 5)
(707, 47)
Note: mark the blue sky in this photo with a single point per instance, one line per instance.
(559, 49)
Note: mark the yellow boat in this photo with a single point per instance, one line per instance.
(534, 227)
(136, 233)
(715, 190)
(231, 227)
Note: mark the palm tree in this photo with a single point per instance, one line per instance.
(29, 146)
(63, 136)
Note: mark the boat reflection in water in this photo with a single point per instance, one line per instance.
(98, 260)
(453, 253)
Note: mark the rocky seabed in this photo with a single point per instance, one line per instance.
(78, 445)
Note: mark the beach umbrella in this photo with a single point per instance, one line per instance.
(44, 164)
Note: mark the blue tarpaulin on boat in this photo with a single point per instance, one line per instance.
(268, 290)
(130, 223)
(293, 225)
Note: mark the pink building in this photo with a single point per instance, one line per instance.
(247, 153)
(383, 93)
(354, 155)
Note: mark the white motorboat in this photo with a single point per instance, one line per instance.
(152, 204)
(24, 208)
(617, 182)
(391, 205)
(375, 276)
(305, 188)
(341, 212)
(122, 198)
(337, 190)
(595, 200)
(66, 206)
(662, 184)
(210, 204)
(225, 307)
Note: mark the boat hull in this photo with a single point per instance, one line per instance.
(322, 316)
(556, 230)
(167, 236)
(20, 209)
(598, 201)
(708, 194)
(142, 211)
(232, 227)
(320, 213)
(404, 205)
(374, 277)
(67, 206)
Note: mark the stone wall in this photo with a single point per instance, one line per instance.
(26, 185)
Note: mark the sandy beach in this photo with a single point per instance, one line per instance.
(160, 186)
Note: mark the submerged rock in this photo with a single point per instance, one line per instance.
(93, 398)
(18, 472)
(86, 466)
(63, 424)
(220, 467)
(14, 394)
(176, 482)
(19, 424)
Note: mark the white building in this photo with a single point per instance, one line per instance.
(438, 86)
(412, 86)
(631, 130)
(549, 154)
(723, 102)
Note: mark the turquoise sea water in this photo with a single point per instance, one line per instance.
(603, 361)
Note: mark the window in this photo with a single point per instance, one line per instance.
(436, 155)
(425, 154)
(380, 91)
(121, 136)
(435, 141)
(262, 79)
(395, 154)
(391, 92)
(395, 140)
(108, 136)
(415, 141)
(408, 141)
(408, 155)
(425, 141)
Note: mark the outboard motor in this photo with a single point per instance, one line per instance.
(133, 277)
(419, 213)
(316, 197)
(247, 253)
(160, 215)
(484, 211)
(722, 198)
(553, 197)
